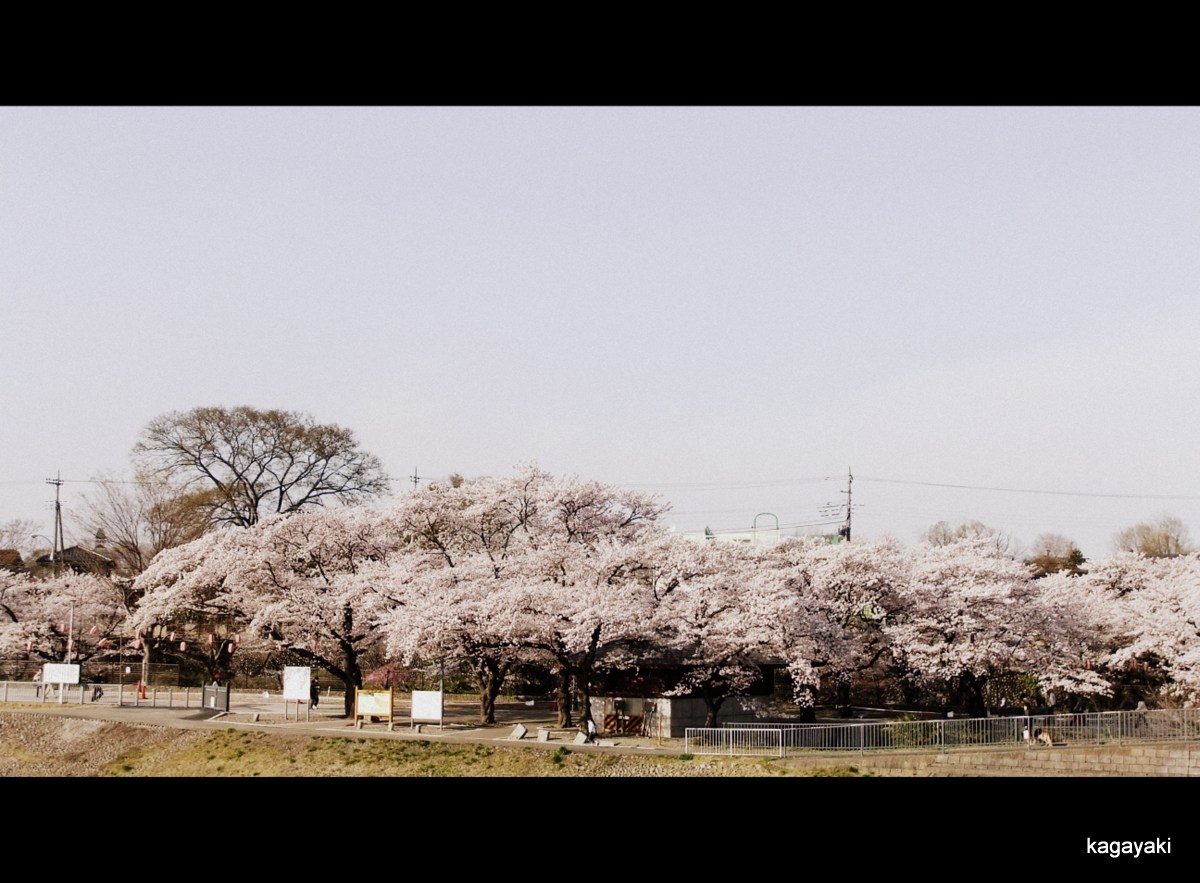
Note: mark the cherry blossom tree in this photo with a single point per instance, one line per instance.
(523, 566)
(832, 604)
(191, 589)
(960, 603)
(1147, 611)
(304, 582)
(1166, 626)
(1065, 622)
(584, 608)
(714, 619)
(43, 619)
(972, 614)
(449, 616)
(464, 539)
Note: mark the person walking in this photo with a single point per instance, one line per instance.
(314, 693)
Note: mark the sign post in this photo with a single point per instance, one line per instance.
(61, 673)
(297, 687)
(374, 703)
(427, 708)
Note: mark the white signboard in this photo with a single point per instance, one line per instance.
(377, 703)
(296, 683)
(427, 706)
(60, 673)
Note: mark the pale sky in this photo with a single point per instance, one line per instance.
(987, 313)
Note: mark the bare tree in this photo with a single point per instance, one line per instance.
(1053, 552)
(17, 533)
(140, 518)
(942, 534)
(239, 464)
(1165, 537)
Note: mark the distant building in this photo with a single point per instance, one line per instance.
(10, 560)
(80, 560)
(764, 536)
(625, 702)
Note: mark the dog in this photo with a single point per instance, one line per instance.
(1043, 737)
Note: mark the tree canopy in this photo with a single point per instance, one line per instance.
(1165, 537)
(239, 464)
(580, 581)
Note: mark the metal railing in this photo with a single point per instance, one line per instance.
(104, 670)
(1033, 731)
(119, 694)
(127, 695)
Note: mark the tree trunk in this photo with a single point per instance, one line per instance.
(489, 676)
(354, 675)
(487, 706)
(808, 706)
(972, 688)
(842, 692)
(584, 701)
(712, 705)
(562, 693)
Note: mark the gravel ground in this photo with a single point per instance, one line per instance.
(39, 744)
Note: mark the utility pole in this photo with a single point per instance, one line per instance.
(59, 545)
(415, 479)
(844, 530)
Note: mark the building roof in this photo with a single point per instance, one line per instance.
(81, 560)
(10, 559)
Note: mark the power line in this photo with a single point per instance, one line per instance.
(1012, 490)
(749, 485)
(725, 485)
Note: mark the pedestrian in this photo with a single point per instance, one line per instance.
(97, 690)
(591, 732)
(314, 693)
(37, 680)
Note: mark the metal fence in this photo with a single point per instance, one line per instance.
(119, 694)
(1034, 731)
(110, 671)
(129, 695)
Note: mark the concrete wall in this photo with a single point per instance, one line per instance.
(668, 718)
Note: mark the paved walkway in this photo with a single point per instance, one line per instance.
(183, 708)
